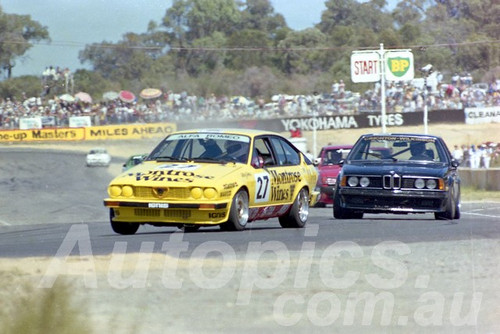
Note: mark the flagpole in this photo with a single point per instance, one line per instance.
(382, 88)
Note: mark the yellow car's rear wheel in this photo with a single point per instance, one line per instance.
(298, 214)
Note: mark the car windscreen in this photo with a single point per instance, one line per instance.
(334, 156)
(205, 147)
(397, 148)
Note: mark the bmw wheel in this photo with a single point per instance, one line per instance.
(449, 212)
(341, 213)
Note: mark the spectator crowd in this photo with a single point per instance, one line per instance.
(477, 156)
(459, 93)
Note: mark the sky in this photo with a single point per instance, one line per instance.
(72, 24)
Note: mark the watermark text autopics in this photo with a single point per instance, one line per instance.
(343, 283)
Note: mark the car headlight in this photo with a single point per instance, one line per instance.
(364, 182)
(127, 191)
(431, 184)
(209, 193)
(419, 183)
(196, 193)
(353, 181)
(115, 191)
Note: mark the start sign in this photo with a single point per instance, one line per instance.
(365, 67)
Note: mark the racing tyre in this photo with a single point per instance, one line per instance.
(190, 228)
(457, 206)
(457, 211)
(341, 213)
(338, 211)
(122, 228)
(238, 215)
(319, 205)
(450, 211)
(298, 214)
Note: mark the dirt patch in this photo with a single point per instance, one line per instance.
(429, 287)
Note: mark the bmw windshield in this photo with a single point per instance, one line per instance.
(397, 148)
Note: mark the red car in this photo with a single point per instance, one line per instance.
(328, 168)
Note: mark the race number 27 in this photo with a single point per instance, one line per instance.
(262, 187)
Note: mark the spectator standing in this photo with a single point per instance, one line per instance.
(335, 89)
(486, 153)
(341, 88)
(458, 154)
(475, 157)
(466, 157)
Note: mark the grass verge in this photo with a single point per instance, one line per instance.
(473, 194)
(27, 309)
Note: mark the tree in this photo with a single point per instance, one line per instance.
(17, 33)
(298, 53)
(188, 21)
(128, 59)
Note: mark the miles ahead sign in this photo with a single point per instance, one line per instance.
(366, 67)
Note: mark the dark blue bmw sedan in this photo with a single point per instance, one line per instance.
(398, 173)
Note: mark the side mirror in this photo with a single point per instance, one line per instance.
(316, 162)
(455, 163)
(341, 162)
(257, 162)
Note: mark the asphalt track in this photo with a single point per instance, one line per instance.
(49, 200)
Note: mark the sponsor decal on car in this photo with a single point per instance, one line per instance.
(170, 175)
(158, 205)
(184, 167)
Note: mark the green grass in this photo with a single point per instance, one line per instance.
(472, 194)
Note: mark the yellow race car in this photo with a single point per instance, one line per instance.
(226, 177)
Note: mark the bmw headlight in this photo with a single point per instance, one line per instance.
(431, 184)
(364, 182)
(419, 183)
(353, 181)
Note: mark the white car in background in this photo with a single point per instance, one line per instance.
(98, 157)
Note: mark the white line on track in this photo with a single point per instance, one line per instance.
(480, 214)
(4, 223)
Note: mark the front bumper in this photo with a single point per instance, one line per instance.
(392, 201)
(326, 194)
(168, 213)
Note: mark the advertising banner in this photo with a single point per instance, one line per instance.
(30, 123)
(482, 115)
(47, 134)
(129, 131)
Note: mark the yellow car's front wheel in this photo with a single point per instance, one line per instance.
(238, 214)
(122, 228)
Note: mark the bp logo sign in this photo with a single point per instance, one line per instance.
(399, 66)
